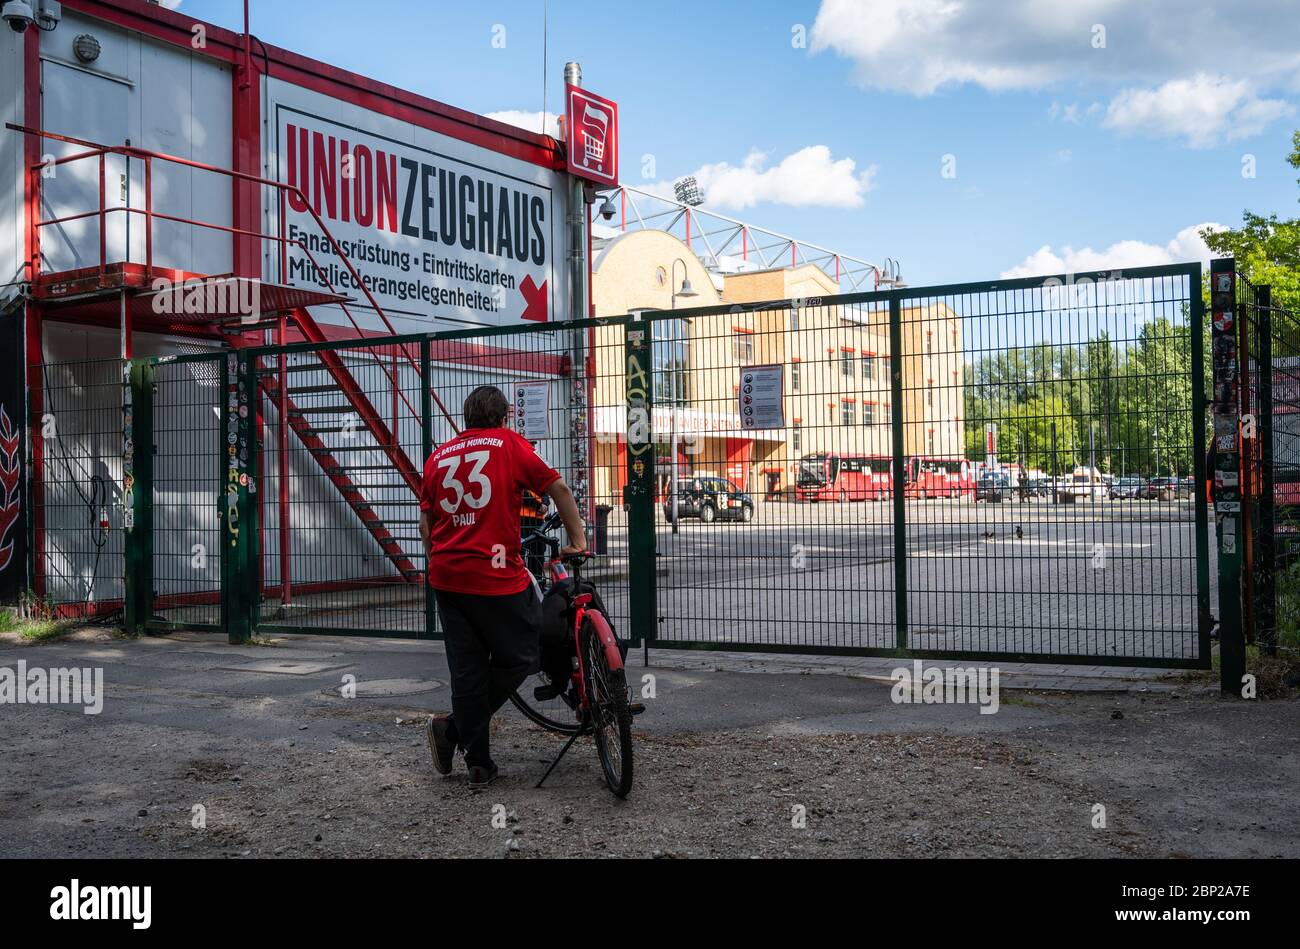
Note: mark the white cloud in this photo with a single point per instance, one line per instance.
(919, 46)
(170, 4)
(531, 121)
(1203, 110)
(1187, 245)
(810, 177)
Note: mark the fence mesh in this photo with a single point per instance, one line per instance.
(187, 480)
(342, 434)
(774, 536)
(1074, 402)
(77, 504)
(1003, 470)
(1270, 353)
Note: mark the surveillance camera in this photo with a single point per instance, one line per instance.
(18, 14)
(607, 210)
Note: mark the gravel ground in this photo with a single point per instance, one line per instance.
(309, 773)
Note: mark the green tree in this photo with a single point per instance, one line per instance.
(1267, 249)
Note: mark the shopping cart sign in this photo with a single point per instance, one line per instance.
(591, 127)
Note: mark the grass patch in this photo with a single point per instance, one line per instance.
(34, 630)
(1271, 672)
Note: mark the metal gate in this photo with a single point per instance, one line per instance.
(1006, 470)
(77, 491)
(178, 477)
(275, 488)
(1268, 558)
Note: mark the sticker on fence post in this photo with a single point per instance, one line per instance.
(533, 410)
(761, 400)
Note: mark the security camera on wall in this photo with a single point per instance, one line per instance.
(20, 14)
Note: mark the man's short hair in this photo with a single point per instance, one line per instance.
(486, 407)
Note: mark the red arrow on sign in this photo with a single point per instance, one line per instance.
(535, 307)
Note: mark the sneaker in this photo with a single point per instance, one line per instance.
(480, 777)
(441, 748)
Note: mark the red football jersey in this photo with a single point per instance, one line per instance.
(472, 488)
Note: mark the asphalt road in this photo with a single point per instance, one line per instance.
(1107, 579)
(1110, 579)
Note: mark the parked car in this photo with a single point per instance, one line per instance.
(1127, 488)
(710, 499)
(1040, 487)
(994, 488)
(1166, 489)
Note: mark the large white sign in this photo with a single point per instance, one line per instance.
(441, 231)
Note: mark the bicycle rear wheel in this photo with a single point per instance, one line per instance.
(554, 714)
(611, 711)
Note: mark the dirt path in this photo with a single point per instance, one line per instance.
(1185, 775)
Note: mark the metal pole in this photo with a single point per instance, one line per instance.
(286, 590)
(1266, 565)
(581, 309)
(1056, 470)
(672, 484)
(899, 463)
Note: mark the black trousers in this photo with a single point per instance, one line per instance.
(492, 646)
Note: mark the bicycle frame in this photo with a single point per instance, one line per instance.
(605, 636)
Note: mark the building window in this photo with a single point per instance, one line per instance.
(743, 346)
(670, 357)
(796, 437)
(794, 320)
(930, 442)
(846, 364)
(794, 377)
(848, 413)
(868, 367)
(885, 416)
(868, 413)
(929, 343)
(929, 394)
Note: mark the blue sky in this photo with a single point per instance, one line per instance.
(1082, 132)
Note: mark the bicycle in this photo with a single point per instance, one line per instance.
(594, 698)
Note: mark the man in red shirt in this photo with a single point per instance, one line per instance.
(491, 616)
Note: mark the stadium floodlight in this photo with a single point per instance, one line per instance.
(688, 191)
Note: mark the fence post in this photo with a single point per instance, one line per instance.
(1203, 476)
(137, 494)
(900, 467)
(639, 494)
(238, 548)
(426, 449)
(1228, 493)
(1266, 558)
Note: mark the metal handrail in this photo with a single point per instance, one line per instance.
(96, 150)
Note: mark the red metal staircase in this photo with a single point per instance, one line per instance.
(124, 289)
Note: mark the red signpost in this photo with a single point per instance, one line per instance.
(591, 127)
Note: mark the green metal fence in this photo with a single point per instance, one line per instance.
(1268, 519)
(1007, 470)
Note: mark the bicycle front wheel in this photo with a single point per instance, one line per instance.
(611, 711)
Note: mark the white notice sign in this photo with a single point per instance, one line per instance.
(761, 401)
(532, 410)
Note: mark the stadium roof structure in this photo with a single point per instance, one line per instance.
(727, 245)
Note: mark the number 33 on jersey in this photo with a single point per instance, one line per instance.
(471, 490)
